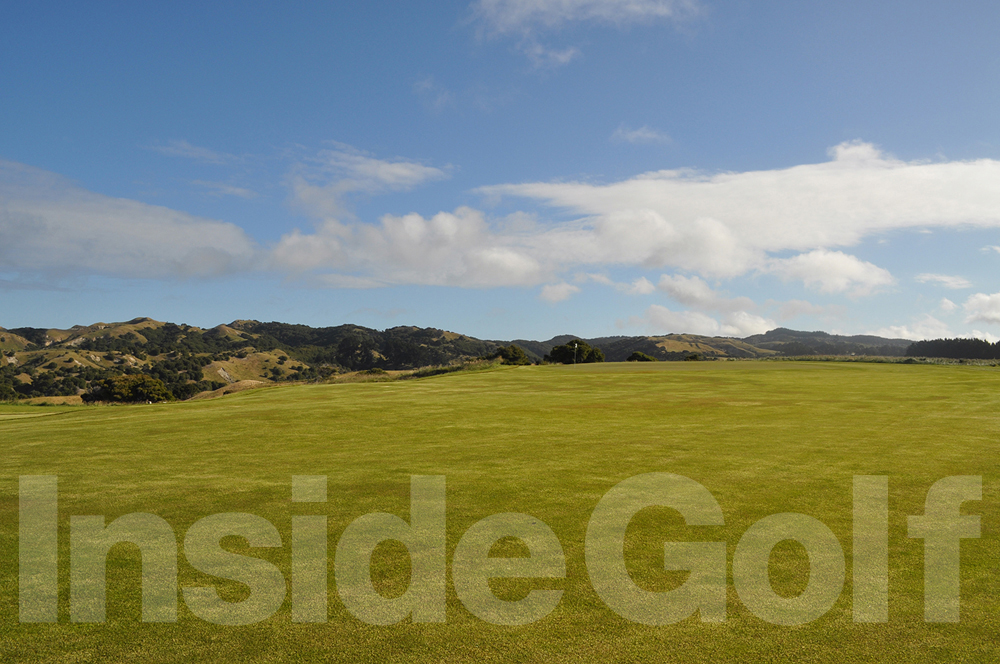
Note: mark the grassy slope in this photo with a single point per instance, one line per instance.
(549, 441)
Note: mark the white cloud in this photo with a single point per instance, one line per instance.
(449, 249)
(641, 286)
(992, 248)
(525, 16)
(983, 308)
(717, 226)
(927, 327)
(320, 184)
(643, 134)
(661, 320)
(832, 272)
(553, 293)
(50, 226)
(946, 280)
(985, 336)
(181, 148)
(947, 305)
(727, 224)
(694, 292)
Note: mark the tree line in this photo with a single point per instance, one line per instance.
(958, 349)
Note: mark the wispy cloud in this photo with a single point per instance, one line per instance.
(946, 280)
(795, 308)
(181, 148)
(527, 19)
(642, 135)
(224, 189)
(320, 183)
(50, 226)
(500, 17)
(543, 57)
(434, 95)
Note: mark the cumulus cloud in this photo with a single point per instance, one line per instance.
(320, 184)
(947, 305)
(927, 327)
(641, 286)
(553, 293)
(713, 226)
(946, 280)
(644, 134)
(985, 336)
(661, 320)
(983, 308)
(724, 225)
(49, 225)
(832, 272)
(449, 249)
(501, 17)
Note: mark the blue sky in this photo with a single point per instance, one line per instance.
(504, 168)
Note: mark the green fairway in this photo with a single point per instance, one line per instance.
(549, 441)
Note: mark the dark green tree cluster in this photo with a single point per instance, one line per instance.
(958, 349)
(574, 352)
(128, 388)
(639, 356)
(182, 374)
(512, 354)
(8, 379)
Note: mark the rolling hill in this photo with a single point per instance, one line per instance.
(47, 362)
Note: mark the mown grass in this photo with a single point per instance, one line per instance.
(548, 441)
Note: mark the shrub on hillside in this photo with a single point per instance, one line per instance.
(639, 356)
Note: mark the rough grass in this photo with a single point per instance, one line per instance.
(548, 441)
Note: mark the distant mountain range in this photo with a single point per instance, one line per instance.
(189, 360)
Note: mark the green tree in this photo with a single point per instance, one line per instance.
(131, 388)
(639, 356)
(512, 354)
(576, 351)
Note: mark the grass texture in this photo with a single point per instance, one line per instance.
(548, 441)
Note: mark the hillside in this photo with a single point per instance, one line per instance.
(44, 362)
(189, 360)
(792, 342)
